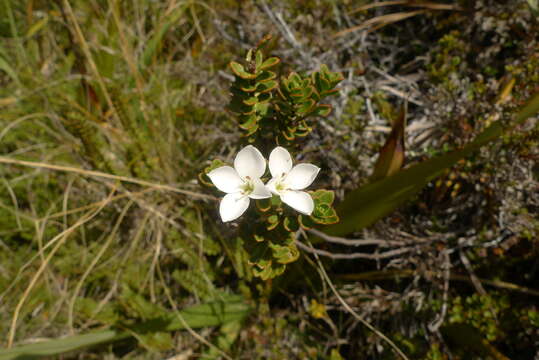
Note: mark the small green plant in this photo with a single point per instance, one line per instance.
(279, 107)
(265, 105)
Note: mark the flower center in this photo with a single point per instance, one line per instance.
(248, 187)
(280, 186)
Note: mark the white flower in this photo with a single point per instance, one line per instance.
(287, 181)
(240, 182)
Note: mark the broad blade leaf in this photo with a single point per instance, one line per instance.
(365, 205)
(231, 308)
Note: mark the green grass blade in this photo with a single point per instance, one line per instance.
(154, 43)
(4, 66)
(60, 346)
(365, 205)
(231, 308)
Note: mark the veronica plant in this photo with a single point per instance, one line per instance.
(279, 107)
(274, 112)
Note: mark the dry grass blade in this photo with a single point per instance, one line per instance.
(351, 311)
(426, 5)
(380, 20)
(394, 274)
(6, 160)
(95, 204)
(182, 320)
(61, 237)
(354, 242)
(87, 52)
(94, 262)
(355, 255)
(15, 203)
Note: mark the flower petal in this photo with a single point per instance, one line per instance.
(301, 176)
(280, 162)
(260, 191)
(299, 200)
(226, 179)
(233, 206)
(250, 163)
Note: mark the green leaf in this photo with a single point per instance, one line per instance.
(272, 270)
(273, 221)
(291, 223)
(324, 70)
(228, 333)
(262, 109)
(323, 110)
(263, 204)
(239, 71)
(303, 129)
(329, 92)
(296, 93)
(320, 210)
(137, 306)
(306, 222)
(251, 101)
(288, 134)
(237, 106)
(229, 308)
(365, 205)
(88, 307)
(60, 346)
(330, 217)
(259, 252)
(323, 196)
(156, 341)
(284, 254)
(249, 122)
(322, 85)
(335, 78)
(294, 80)
(265, 76)
(276, 200)
(248, 87)
(325, 216)
(259, 58)
(307, 92)
(270, 62)
(267, 86)
(264, 97)
(249, 55)
(306, 107)
(252, 130)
